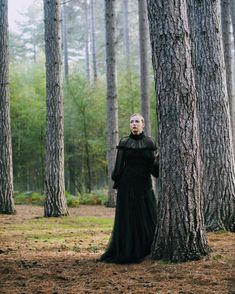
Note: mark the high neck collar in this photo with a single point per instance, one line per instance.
(137, 137)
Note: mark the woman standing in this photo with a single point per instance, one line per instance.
(135, 216)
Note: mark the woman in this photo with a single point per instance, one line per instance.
(135, 216)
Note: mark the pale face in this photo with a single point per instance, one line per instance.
(136, 125)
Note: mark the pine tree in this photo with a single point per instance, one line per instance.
(55, 204)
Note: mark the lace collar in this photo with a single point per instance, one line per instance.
(137, 137)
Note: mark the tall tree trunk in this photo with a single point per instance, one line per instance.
(112, 104)
(87, 151)
(126, 34)
(93, 40)
(179, 232)
(55, 204)
(232, 3)
(87, 58)
(144, 77)
(227, 46)
(65, 41)
(232, 7)
(218, 168)
(42, 159)
(6, 174)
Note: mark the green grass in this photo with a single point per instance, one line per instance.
(61, 233)
(222, 232)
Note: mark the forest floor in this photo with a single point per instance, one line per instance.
(59, 255)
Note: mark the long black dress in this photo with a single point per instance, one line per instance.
(135, 216)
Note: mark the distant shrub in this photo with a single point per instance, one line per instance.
(20, 199)
(92, 199)
(30, 198)
(34, 198)
(37, 199)
(72, 201)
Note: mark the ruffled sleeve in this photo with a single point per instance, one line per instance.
(119, 164)
(155, 167)
(155, 157)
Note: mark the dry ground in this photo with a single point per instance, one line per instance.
(66, 261)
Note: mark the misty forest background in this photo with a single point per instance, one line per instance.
(84, 94)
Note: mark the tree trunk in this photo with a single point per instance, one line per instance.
(93, 41)
(112, 104)
(87, 58)
(227, 46)
(6, 174)
(218, 187)
(55, 204)
(126, 34)
(144, 77)
(232, 6)
(179, 232)
(232, 3)
(87, 151)
(65, 41)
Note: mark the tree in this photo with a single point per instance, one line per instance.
(6, 177)
(179, 232)
(126, 34)
(112, 104)
(85, 151)
(144, 78)
(218, 186)
(55, 204)
(31, 31)
(65, 41)
(16, 47)
(227, 49)
(93, 40)
(87, 57)
(28, 114)
(232, 7)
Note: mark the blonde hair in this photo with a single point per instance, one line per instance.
(138, 114)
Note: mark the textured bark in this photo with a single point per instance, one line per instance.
(126, 34)
(232, 7)
(87, 155)
(112, 104)
(179, 232)
(65, 41)
(232, 3)
(55, 204)
(6, 175)
(227, 46)
(144, 76)
(87, 56)
(218, 187)
(93, 40)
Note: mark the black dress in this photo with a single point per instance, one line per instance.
(135, 216)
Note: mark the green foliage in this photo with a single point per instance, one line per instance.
(28, 108)
(72, 201)
(222, 232)
(76, 248)
(85, 127)
(32, 198)
(94, 248)
(85, 140)
(217, 257)
(93, 199)
(27, 44)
